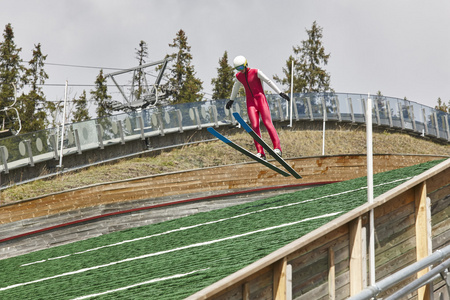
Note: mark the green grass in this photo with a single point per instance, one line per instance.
(174, 247)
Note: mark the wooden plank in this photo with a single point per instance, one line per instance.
(422, 238)
(331, 275)
(356, 263)
(279, 280)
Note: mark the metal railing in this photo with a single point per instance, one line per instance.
(441, 270)
(28, 149)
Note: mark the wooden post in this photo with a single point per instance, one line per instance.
(245, 291)
(331, 275)
(356, 263)
(422, 238)
(279, 279)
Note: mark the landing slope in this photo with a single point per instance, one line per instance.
(174, 259)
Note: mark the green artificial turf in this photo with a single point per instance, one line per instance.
(210, 246)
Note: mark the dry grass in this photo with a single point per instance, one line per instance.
(294, 143)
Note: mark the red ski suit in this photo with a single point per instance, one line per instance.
(257, 103)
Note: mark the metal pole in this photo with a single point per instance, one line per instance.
(323, 131)
(292, 92)
(370, 190)
(62, 129)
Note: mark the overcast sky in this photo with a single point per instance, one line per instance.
(398, 47)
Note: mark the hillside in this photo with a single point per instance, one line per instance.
(294, 143)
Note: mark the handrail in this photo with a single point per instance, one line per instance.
(373, 290)
(434, 274)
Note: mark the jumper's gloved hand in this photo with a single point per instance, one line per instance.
(229, 104)
(286, 97)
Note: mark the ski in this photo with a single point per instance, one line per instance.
(265, 146)
(246, 152)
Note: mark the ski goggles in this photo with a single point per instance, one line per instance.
(240, 68)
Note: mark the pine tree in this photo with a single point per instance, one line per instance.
(100, 96)
(139, 75)
(33, 105)
(81, 110)
(183, 84)
(309, 76)
(11, 70)
(223, 84)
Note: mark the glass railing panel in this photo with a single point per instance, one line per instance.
(222, 112)
(345, 108)
(301, 101)
(430, 121)
(224, 115)
(109, 130)
(405, 107)
(358, 103)
(166, 117)
(150, 119)
(442, 126)
(206, 113)
(277, 107)
(393, 110)
(316, 106)
(381, 110)
(87, 133)
(17, 147)
(418, 117)
(187, 114)
(331, 102)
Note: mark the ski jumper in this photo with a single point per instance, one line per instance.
(252, 80)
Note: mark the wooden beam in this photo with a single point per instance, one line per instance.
(245, 291)
(422, 238)
(279, 279)
(331, 275)
(356, 263)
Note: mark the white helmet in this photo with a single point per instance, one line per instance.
(239, 61)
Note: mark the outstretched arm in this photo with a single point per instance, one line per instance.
(265, 79)
(236, 86)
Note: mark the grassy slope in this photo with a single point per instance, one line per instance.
(294, 143)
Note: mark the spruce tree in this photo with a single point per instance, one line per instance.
(223, 84)
(100, 96)
(183, 84)
(33, 105)
(81, 110)
(11, 70)
(309, 59)
(139, 75)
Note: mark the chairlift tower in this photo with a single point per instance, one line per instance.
(153, 94)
